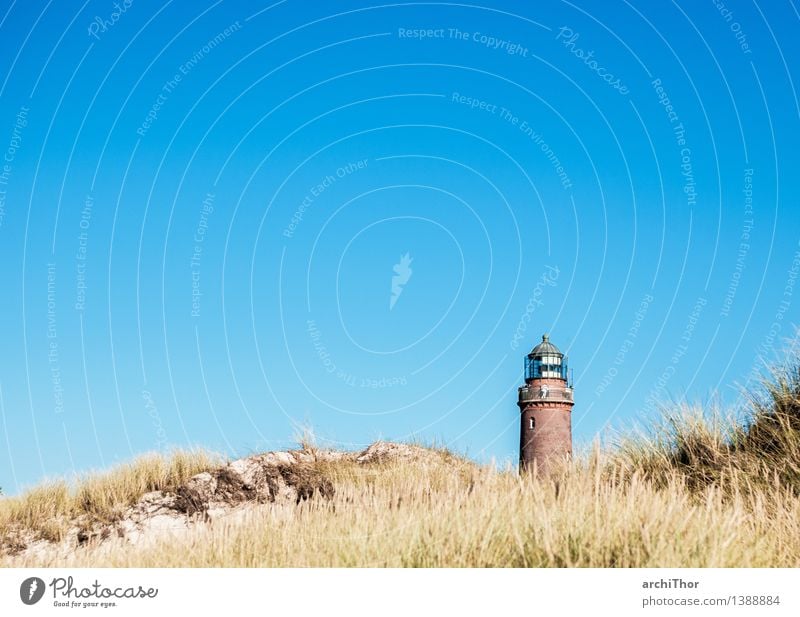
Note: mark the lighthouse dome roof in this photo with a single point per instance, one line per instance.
(545, 348)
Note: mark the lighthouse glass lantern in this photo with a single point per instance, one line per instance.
(546, 362)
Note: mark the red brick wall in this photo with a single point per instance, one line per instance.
(551, 438)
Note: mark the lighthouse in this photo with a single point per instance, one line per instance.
(545, 405)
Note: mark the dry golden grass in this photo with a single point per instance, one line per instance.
(696, 491)
(48, 511)
(429, 515)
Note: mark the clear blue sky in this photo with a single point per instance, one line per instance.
(203, 206)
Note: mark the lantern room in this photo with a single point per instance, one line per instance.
(545, 361)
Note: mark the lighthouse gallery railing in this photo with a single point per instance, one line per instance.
(539, 394)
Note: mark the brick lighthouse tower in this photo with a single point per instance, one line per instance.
(545, 404)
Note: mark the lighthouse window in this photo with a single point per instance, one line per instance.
(533, 424)
(534, 368)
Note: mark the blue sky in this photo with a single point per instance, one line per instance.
(202, 211)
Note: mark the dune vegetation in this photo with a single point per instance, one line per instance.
(695, 490)
(48, 511)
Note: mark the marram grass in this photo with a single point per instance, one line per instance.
(48, 510)
(697, 491)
